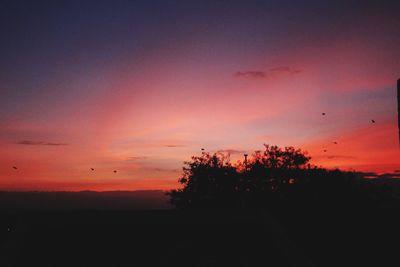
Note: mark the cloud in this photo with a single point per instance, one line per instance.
(35, 143)
(285, 69)
(173, 145)
(340, 157)
(55, 144)
(231, 151)
(272, 72)
(250, 74)
(26, 142)
(165, 170)
(136, 158)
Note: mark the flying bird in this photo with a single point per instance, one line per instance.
(373, 121)
(323, 113)
(115, 171)
(92, 169)
(15, 168)
(324, 150)
(202, 149)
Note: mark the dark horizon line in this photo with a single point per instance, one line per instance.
(85, 191)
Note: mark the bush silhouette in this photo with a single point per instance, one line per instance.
(208, 180)
(270, 177)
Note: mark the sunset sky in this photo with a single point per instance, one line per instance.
(140, 86)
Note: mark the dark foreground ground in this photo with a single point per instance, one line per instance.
(289, 237)
(141, 229)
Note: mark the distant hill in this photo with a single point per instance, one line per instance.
(84, 200)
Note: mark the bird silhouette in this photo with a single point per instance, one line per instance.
(115, 171)
(15, 168)
(323, 113)
(202, 149)
(92, 169)
(373, 121)
(325, 150)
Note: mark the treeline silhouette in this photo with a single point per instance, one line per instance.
(274, 176)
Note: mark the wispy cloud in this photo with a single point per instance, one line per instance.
(284, 69)
(165, 170)
(258, 74)
(340, 157)
(136, 158)
(41, 143)
(231, 151)
(250, 74)
(174, 145)
(55, 144)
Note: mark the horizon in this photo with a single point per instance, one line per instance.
(134, 89)
(394, 175)
(87, 191)
(84, 191)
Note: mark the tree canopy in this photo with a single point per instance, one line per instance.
(274, 175)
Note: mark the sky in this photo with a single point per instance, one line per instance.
(141, 86)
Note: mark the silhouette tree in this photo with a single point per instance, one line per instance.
(271, 177)
(208, 181)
